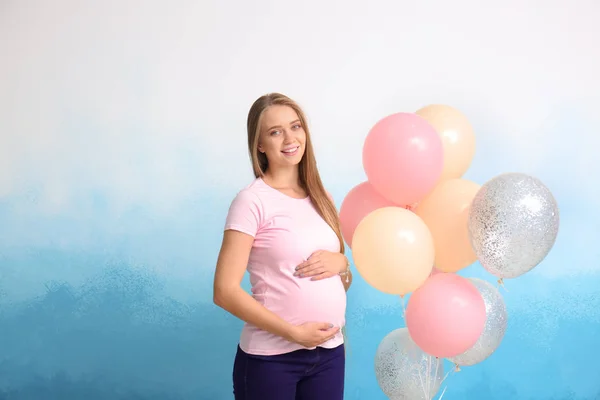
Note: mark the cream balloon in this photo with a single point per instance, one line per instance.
(445, 211)
(457, 136)
(393, 250)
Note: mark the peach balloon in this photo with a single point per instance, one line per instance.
(393, 250)
(458, 138)
(445, 211)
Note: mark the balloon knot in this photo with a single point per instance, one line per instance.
(456, 368)
(411, 207)
(501, 284)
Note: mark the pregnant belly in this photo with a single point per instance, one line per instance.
(300, 300)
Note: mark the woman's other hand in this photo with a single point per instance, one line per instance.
(311, 334)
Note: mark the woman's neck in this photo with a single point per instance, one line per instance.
(283, 177)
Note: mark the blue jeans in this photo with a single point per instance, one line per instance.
(300, 375)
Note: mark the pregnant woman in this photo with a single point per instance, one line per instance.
(283, 228)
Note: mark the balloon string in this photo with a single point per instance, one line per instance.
(501, 284)
(427, 389)
(425, 382)
(427, 379)
(443, 393)
(435, 375)
(429, 396)
(421, 380)
(402, 302)
(446, 377)
(448, 374)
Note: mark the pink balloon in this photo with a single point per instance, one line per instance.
(357, 204)
(403, 157)
(446, 315)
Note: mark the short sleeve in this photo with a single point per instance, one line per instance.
(245, 213)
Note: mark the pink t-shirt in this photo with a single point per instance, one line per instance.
(286, 232)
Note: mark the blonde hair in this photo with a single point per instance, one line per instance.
(310, 179)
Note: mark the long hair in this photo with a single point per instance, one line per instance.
(309, 174)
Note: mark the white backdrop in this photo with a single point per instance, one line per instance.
(139, 92)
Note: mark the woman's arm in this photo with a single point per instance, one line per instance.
(229, 295)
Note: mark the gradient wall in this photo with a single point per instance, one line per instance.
(122, 142)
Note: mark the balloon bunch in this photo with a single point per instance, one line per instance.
(416, 222)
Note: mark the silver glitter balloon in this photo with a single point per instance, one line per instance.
(404, 371)
(495, 325)
(513, 224)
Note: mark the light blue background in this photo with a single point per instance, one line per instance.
(122, 143)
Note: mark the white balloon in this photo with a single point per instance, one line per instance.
(513, 224)
(404, 371)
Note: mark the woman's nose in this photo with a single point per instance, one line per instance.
(287, 137)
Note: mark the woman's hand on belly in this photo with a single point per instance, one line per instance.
(311, 334)
(322, 264)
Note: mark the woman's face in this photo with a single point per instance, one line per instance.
(282, 137)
